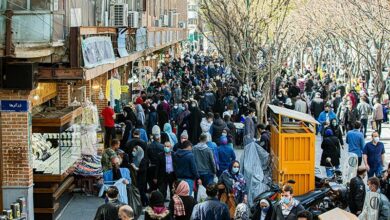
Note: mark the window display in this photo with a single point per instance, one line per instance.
(54, 153)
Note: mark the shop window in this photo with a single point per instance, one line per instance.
(19, 5)
(40, 4)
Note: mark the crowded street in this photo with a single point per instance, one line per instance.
(195, 110)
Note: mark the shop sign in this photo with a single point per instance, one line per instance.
(14, 105)
(97, 51)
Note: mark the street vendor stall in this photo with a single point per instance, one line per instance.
(293, 148)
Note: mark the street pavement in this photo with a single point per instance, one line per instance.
(84, 207)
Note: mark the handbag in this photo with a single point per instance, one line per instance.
(134, 199)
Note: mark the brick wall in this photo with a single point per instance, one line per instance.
(15, 164)
(94, 94)
(63, 96)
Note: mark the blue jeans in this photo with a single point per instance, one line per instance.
(206, 178)
(377, 171)
(330, 170)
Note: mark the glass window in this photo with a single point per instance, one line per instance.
(40, 4)
(17, 4)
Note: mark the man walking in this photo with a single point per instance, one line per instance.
(357, 192)
(204, 159)
(374, 155)
(376, 205)
(165, 174)
(364, 110)
(355, 141)
(377, 115)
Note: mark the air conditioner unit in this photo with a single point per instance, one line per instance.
(134, 19)
(119, 15)
(182, 24)
(165, 20)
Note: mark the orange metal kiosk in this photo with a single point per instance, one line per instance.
(293, 148)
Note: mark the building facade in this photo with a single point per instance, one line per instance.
(56, 52)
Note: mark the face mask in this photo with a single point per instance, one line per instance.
(224, 142)
(193, 105)
(265, 209)
(167, 149)
(334, 123)
(224, 134)
(286, 200)
(376, 139)
(134, 153)
(175, 107)
(235, 170)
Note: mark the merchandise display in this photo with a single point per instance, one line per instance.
(54, 153)
(88, 166)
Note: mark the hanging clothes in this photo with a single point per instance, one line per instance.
(116, 89)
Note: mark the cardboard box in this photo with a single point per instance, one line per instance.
(338, 214)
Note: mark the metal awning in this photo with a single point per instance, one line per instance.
(293, 114)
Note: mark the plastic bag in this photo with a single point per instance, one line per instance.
(134, 200)
(201, 194)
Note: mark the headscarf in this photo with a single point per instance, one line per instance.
(242, 212)
(183, 115)
(168, 130)
(126, 133)
(223, 140)
(328, 132)
(234, 182)
(140, 113)
(182, 189)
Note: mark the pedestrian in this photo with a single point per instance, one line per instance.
(264, 137)
(263, 210)
(374, 156)
(364, 110)
(326, 117)
(152, 120)
(317, 106)
(355, 141)
(165, 174)
(337, 131)
(109, 116)
(385, 182)
(171, 136)
(301, 105)
(376, 205)
(140, 114)
(330, 157)
(183, 138)
(194, 120)
(217, 127)
(377, 116)
(185, 166)
(242, 212)
(226, 155)
(108, 154)
(182, 204)
(351, 116)
(249, 128)
(126, 213)
(156, 208)
(211, 208)
(288, 207)
(357, 192)
(204, 158)
(109, 210)
(153, 152)
(234, 187)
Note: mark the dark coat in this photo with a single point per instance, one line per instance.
(108, 211)
(151, 122)
(184, 165)
(161, 173)
(278, 215)
(212, 208)
(257, 213)
(188, 202)
(331, 148)
(357, 194)
(217, 128)
(194, 129)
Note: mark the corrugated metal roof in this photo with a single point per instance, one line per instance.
(293, 114)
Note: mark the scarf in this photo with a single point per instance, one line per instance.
(182, 190)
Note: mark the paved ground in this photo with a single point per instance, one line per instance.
(84, 207)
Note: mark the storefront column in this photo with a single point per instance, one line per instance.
(15, 154)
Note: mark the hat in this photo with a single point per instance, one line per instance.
(184, 134)
(328, 132)
(327, 104)
(156, 199)
(264, 201)
(156, 130)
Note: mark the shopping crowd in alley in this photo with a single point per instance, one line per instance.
(175, 158)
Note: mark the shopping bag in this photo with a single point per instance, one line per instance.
(134, 200)
(201, 194)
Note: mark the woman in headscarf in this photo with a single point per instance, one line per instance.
(336, 128)
(129, 114)
(263, 210)
(152, 119)
(156, 208)
(172, 137)
(126, 133)
(143, 136)
(182, 119)
(182, 203)
(140, 114)
(194, 120)
(162, 116)
(330, 157)
(233, 187)
(226, 155)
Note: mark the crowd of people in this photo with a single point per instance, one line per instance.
(181, 130)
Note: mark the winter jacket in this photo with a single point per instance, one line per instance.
(213, 147)
(204, 158)
(301, 106)
(217, 128)
(154, 149)
(357, 194)
(330, 148)
(317, 106)
(205, 125)
(377, 113)
(212, 208)
(322, 118)
(184, 165)
(226, 156)
(278, 215)
(364, 110)
(151, 214)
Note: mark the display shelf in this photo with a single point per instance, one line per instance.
(55, 121)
